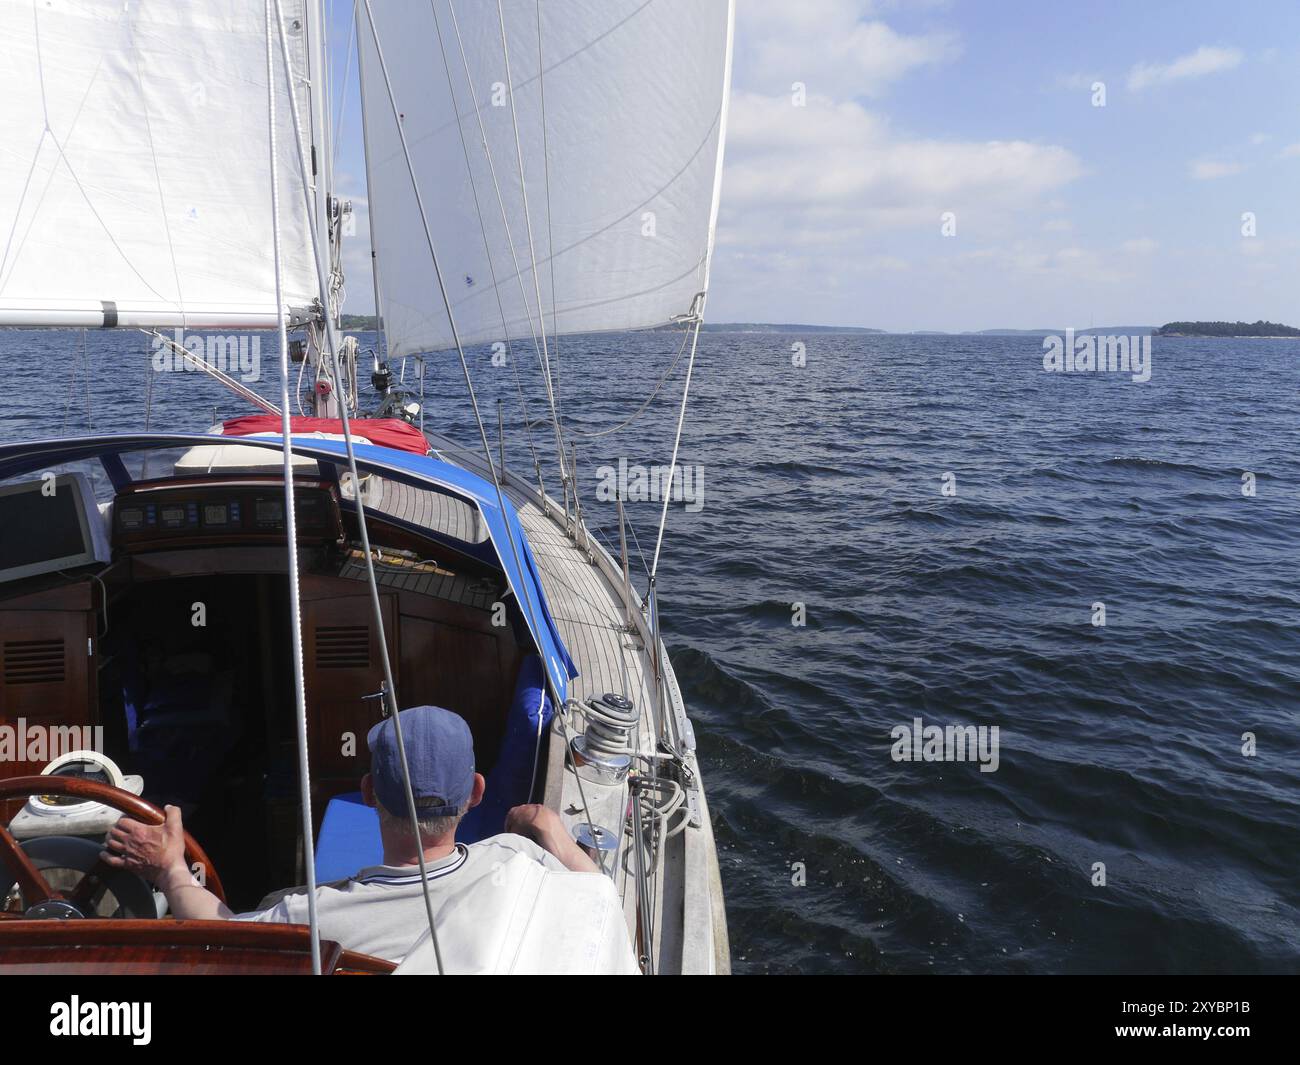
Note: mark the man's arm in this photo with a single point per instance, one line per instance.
(544, 827)
(157, 853)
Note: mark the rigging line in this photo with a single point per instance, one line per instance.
(148, 410)
(290, 513)
(677, 439)
(85, 366)
(641, 410)
(67, 406)
(505, 223)
(215, 372)
(636, 540)
(322, 279)
(421, 393)
(382, 346)
(697, 311)
(343, 96)
(522, 593)
(148, 397)
(550, 237)
(532, 248)
(487, 251)
(302, 369)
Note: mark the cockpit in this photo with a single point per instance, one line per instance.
(145, 615)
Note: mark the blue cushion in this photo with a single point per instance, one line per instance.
(349, 838)
(507, 784)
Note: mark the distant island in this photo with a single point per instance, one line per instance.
(363, 322)
(768, 327)
(367, 323)
(1092, 330)
(1226, 329)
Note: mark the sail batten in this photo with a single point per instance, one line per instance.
(620, 110)
(134, 165)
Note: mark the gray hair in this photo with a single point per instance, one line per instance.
(432, 828)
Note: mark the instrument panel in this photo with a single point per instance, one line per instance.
(174, 513)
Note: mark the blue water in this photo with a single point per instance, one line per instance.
(822, 486)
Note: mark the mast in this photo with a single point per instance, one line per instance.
(380, 332)
(318, 147)
(321, 137)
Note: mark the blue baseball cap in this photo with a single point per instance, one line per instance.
(440, 752)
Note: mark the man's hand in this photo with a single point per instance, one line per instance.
(155, 852)
(532, 820)
(543, 826)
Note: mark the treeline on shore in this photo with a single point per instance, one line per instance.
(1227, 329)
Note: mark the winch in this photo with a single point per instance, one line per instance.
(603, 752)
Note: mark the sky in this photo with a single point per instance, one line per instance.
(979, 164)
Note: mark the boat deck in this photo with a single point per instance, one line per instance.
(585, 592)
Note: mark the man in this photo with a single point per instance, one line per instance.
(380, 911)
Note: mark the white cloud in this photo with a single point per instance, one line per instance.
(833, 47)
(830, 212)
(1209, 169)
(832, 171)
(1205, 60)
(1290, 151)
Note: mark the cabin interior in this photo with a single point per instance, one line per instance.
(178, 645)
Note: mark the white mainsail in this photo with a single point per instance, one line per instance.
(135, 164)
(616, 110)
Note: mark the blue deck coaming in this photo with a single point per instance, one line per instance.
(418, 471)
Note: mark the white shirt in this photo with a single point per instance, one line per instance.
(380, 911)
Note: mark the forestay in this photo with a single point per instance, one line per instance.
(595, 127)
(134, 164)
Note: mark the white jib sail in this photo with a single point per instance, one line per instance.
(134, 164)
(619, 107)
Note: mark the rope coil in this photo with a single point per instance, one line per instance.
(611, 722)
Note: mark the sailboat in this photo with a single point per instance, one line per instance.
(215, 619)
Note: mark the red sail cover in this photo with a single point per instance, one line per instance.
(386, 432)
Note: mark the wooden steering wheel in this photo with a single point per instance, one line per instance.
(41, 900)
